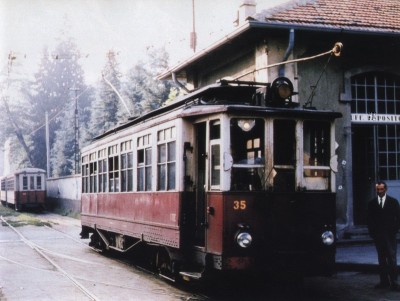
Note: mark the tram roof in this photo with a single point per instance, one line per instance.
(223, 96)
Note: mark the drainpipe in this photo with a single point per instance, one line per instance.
(176, 81)
(288, 51)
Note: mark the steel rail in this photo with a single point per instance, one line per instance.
(61, 270)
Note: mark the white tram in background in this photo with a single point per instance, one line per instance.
(25, 188)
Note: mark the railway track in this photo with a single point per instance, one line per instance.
(90, 283)
(32, 245)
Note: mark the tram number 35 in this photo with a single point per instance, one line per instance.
(239, 205)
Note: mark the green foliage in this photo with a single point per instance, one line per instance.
(58, 88)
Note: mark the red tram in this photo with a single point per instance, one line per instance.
(25, 188)
(232, 177)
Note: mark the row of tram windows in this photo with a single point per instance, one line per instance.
(252, 170)
(111, 169)
(29, 182)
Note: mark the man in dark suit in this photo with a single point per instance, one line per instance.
(383, 224)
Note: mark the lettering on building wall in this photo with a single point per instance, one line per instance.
(375, 118)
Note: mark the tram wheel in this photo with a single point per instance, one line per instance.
(97, 243)
(164, 264)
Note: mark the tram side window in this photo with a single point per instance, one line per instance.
(113, 168)
(10, 184)
(85, 165)
(126, 166)
(316, 148)
(102, 170)
(166, 159)
(144, 163)
(215, 135)
(247, 150)
(39, 182)
(284, 155)
(32, 182)
(93, 176)
(24, 183)
(3, 184)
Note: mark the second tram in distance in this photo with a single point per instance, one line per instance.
(24, 188)
(233, 177)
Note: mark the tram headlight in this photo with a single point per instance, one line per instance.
(244, 239)
(327, 238)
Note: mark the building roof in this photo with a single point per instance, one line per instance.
(368, 17)
(352, 15)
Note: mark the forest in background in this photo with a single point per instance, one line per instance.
(76, 111)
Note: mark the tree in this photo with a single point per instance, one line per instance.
(62, 92)
(107, 108)
(14, 117)
(24, 104)
(143, 90)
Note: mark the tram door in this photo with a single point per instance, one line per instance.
(201, 159)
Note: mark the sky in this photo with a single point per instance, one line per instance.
(128, 27)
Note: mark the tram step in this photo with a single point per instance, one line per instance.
(192, 275)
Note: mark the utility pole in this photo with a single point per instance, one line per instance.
(76, 128)
(47, 146)
(193, 35)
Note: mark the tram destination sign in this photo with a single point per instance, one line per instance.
(375, 118)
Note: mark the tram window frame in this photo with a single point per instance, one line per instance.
(284, 154)
(144, 163)
(248, 153)
(85, 173)
(92, 173)
(166, 159)
(316, 154)
(215, 151)
(126, 166)
(10, 183)
(102, 170)
(32, 182)
(25, 182)
(39, 182)
(113, 168)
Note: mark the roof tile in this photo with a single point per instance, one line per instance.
(359, 15)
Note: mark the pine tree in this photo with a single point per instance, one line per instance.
(143, 90)
(14, 112)
(59, 78)
(107, 108)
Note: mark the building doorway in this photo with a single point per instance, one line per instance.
(375, 137)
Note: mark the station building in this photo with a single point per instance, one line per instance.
(363, 83)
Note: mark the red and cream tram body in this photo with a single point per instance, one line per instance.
(25, 188)
(233, 177)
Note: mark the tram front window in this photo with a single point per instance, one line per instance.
(316, 154)
(247, 150)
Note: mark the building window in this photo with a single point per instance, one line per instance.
(144, 163)
(378, 93)
(375, 93)
(166, 159)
